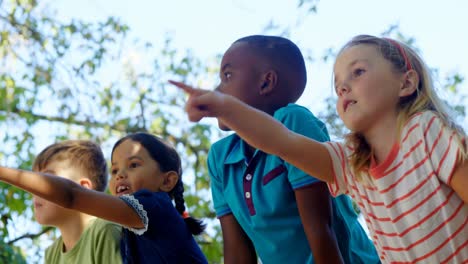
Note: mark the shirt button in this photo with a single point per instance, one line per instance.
(247, 195)
(248, 177)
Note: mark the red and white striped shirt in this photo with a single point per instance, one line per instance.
(412, 213)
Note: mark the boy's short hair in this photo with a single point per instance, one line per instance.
(285, 57)
(83, 154)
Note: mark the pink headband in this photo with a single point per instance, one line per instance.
(402, 51)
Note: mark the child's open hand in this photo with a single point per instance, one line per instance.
(201, 103)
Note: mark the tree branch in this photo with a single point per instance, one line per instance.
(30, 235)
(68, 120)
(95, 124)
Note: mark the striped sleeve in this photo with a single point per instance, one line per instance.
(337, 153)
(441, 145)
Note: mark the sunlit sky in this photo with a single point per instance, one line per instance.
(208, 27)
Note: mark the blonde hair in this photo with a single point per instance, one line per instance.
(403, 58)
(82, 154)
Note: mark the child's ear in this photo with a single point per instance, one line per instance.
(85, 182)
(269, 81)
(410, 83)
(170, 180)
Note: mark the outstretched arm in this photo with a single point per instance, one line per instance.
(68, 194)
(260, 130)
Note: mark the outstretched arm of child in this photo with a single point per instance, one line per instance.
(260, 130)
(459, 181)
(68, 194)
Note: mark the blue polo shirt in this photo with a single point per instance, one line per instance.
(260, 194)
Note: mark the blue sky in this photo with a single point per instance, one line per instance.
(208, 27)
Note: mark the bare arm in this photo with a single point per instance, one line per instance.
(68, 194)
(260, 130)
(459, 181)
(238, 248)
(315, 209)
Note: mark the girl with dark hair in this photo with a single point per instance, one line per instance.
(146, 173)
(145, 177)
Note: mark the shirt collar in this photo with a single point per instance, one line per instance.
(237, 153)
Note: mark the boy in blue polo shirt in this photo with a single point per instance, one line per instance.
(267, 206)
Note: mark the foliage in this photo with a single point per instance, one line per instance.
(79, 80)
(9, 254)
(75, 79)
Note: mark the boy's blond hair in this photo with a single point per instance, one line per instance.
(82, 154)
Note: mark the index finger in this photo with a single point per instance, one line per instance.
(188, 89)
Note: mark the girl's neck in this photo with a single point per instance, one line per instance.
(381, 138)
(72, 229)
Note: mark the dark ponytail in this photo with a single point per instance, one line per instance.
(169, 160)
(195, 226)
